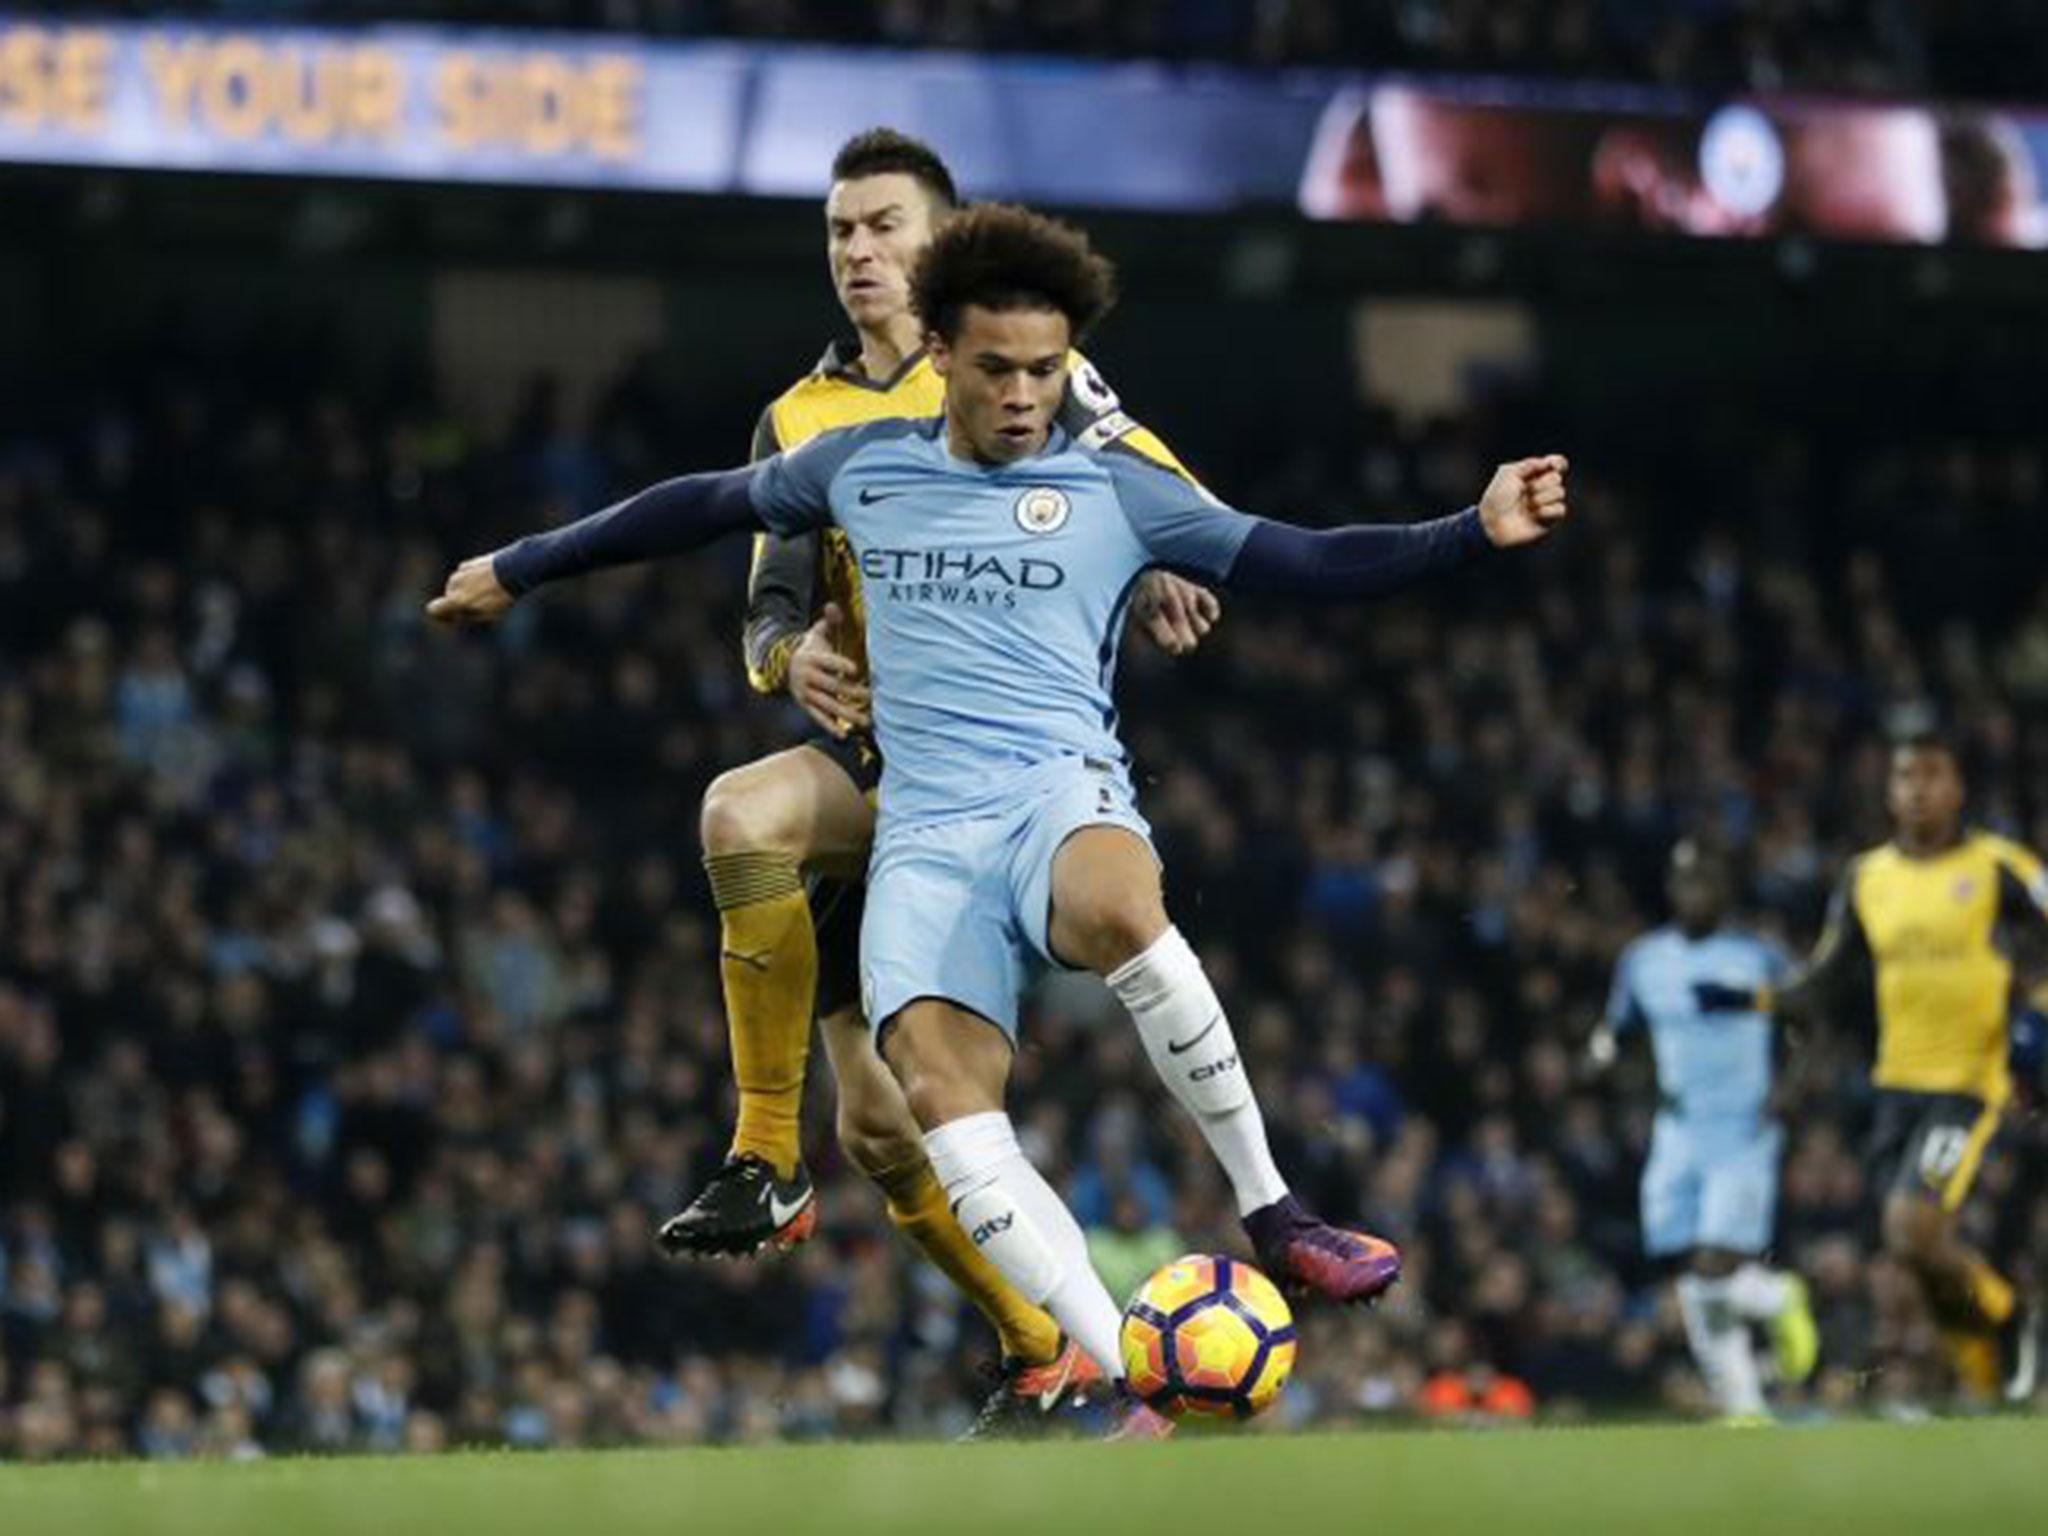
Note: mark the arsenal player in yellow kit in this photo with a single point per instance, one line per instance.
(1928, 925)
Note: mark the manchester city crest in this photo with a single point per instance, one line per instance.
(1043, 510)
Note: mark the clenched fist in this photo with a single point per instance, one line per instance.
(473, 595)
(1524, 501)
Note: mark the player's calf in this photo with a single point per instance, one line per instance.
(1188, 1038)
(1963, 1288)
(882, 1139)
(1021, 1226)
(874, 1144)
(754, 822)
(954, 1068)
(1718, 1336)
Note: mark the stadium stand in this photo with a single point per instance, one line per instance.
(1994, 48)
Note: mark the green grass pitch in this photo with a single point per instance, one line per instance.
(1966, 1477)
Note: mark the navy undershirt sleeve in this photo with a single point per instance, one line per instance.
(665, 519)
(1367, 561)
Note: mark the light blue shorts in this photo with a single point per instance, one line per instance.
(1711, 1186)
(958, 909)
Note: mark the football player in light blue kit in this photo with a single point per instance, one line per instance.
(1710, 1188)
(996, 557)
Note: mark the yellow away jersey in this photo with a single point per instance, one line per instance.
(835, 394)
(1943, 978)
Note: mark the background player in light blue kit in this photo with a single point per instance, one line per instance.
(996, 556)
(1710, 1189)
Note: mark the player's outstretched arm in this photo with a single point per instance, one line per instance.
(1523, 503)
(670, 518)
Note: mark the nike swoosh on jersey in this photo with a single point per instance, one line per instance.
(1175, 1047)
(869, 495)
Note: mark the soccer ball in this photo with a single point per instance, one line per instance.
(1208, 1337)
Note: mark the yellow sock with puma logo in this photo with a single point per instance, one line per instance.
(768, 963)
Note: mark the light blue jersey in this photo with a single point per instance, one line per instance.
(1709, 1066)
(1712, 1176)
(995, 595)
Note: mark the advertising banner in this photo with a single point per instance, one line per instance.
(1451, 153)
(412, 103)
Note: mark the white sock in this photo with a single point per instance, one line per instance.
(1017, 1220)
(1720, 1344)
(1757, 1293)
(1194, 1052)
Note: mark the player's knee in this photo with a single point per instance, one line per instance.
(1715, 1263)
(923, 1081)
(937, 1094)
(1117, 930)
(743, 813)
(934, 1099)
(1912, 1229)
(948, 1065)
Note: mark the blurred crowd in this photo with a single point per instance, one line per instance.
(358, 985)
(1990, 48)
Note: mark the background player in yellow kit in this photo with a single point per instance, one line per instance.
(805, 817)
(1928, 925)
